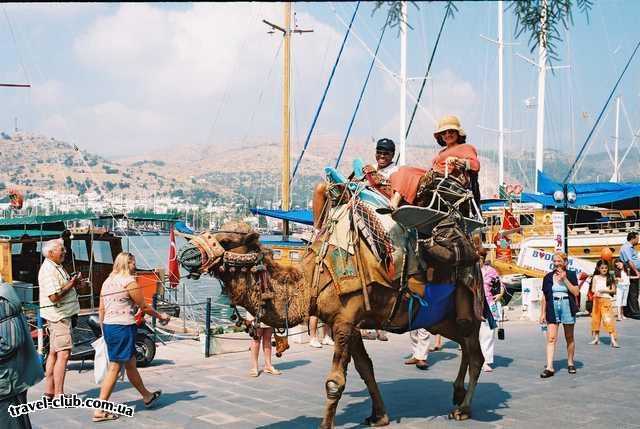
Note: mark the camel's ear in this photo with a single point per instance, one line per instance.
(251, 239)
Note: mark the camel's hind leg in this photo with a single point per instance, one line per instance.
(451, 330)
(364, 366)
(342, 333)
(472, 355)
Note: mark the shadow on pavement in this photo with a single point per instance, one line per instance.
(410, 398)
(435, 357)
(158, 362)
(562, 364)
(424, 398)
(292, 364)
(501, 361)
(298, 422)
(168, 398)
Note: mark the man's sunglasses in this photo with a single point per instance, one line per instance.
(384, 153)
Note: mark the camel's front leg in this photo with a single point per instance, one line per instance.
(342, 333)
(364, 366)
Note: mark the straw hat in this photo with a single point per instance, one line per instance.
(449, 123)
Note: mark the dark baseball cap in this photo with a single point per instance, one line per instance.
(386, 144)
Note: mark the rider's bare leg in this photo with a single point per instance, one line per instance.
(319, 203)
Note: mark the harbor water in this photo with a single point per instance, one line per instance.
(152, 251)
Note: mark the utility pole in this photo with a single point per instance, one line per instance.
(286, 109)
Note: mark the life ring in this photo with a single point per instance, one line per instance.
(547, 220)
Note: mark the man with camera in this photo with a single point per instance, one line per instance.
(59, 306)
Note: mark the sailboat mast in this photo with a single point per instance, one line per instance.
(286, 117)
(542, 74)
(403, 83)
(616, 167)
(500, 96)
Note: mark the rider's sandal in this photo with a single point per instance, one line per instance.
(571, 369)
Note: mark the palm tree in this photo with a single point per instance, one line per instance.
(558, 14)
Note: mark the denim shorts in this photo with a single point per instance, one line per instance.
(563, 311)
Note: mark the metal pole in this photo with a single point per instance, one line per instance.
(565, 189)
(207, 328)
(616, 170)
(184, 300)
(154, 304)
(542, 73)
(500, 97)
(286, 118)
(40, 331)
(403, 83)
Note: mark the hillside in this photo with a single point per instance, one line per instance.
(233, 171)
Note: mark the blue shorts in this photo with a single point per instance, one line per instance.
(563, 311)
(121, 341)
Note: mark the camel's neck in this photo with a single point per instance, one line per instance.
(290, 296)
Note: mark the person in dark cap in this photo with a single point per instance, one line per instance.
(377, 176)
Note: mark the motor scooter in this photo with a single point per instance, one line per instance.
(88, 330)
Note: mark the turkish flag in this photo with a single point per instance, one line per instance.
(509, 221)
(174, 269)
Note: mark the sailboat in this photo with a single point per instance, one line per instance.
(591, 229)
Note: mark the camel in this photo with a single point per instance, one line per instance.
(241, 263)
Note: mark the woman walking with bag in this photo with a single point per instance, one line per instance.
(558, 305)
(119, 300)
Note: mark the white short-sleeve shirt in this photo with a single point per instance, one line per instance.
(51, 278)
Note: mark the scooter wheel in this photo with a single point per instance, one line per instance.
(145, 351)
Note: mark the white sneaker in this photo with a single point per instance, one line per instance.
(327, 341)
(315, 343)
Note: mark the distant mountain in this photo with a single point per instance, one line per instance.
(239, 171)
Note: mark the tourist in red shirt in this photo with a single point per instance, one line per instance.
(460, 157)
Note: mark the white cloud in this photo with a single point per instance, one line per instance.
(173, 70)
(48, 94)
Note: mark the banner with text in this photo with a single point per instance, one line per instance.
(557, 220)
(538, 259)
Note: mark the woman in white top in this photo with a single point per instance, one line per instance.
(120, 298)
(604, 289)
(622, 286)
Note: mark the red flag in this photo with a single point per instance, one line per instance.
(509, 221)
(174, 269)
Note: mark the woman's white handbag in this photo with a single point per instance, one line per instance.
(100, 360)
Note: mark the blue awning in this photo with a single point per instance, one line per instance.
(299, 215)
(588, 194)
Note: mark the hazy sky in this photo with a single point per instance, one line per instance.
(123, 79)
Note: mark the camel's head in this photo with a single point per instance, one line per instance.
(207, 252)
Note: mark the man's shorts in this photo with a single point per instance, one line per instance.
(60, 335)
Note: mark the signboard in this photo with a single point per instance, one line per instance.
(557, 220)
(538, 259)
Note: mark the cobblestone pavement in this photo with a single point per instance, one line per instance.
(217, 393)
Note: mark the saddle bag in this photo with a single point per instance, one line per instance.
(451, 188)
(449, 245)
